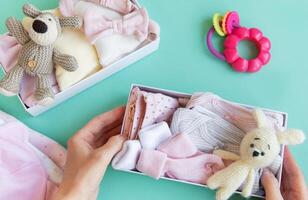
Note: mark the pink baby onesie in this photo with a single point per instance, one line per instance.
(9, 50)
(146, 108)
(178, 158)
(31, 164)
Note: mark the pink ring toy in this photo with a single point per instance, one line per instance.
(240, 64)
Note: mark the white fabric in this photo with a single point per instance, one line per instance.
(109, 48)
(151, 136)
(127, 158)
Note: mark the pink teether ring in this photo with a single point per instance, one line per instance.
(241, 64)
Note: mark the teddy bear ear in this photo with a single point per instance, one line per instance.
(291, 136)
(70, 22)
(31, 11)
(260, 118)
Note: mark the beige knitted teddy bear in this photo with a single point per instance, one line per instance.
(258, 149)
(38, 56)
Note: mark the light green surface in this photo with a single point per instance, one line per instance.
(183, 63)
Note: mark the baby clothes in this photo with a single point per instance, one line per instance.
(31, 164)
(207, 130)
(146, 108)
(114, 34)
(151, 136)
(9, 50)
(186, 164)
(238, 115)
(210, 131)
(121, 6)
(127, 158)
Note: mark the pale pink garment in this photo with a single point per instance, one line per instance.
(186, 164)
(31, 164)
(146, 108)
(9, 50)
(240, 116)
(121, 6)
(97, 25)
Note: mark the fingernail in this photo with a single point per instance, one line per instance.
(266, 171)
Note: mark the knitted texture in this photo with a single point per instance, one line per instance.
(258, 149)
(37, 56)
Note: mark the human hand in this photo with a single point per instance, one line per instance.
(293, 185)
(89, 153)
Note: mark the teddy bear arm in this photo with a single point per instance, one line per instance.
(67, 62)
(249, 183)
(226, 155)
(17, 30)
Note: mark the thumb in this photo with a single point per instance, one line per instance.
(271, 186)
(112, 147)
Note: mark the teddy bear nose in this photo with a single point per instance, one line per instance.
(39, 26)
(255, 153)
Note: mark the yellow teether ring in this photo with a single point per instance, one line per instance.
(217, 20)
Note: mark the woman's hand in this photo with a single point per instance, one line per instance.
(89, 152)
(293, 184)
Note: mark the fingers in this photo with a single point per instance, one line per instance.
(270, 183)
(290, 167)
(106, 135)
(112, 147)
(95, 127)
(292, 177)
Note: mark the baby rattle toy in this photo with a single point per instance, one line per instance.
(229, 26)
(258, 149)
(37, 56)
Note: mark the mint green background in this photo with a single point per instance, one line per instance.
(184, 64)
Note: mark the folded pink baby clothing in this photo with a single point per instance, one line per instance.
(97, 25)
(145, 109)
(197, 167)
(121, 6)
(135, 110)
(238, 115)
(9, 50)
(22, 161)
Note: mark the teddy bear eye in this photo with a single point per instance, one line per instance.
(49, 19)
(252, 145)
(262, 153)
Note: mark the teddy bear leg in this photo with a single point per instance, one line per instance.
(10, 84)
(224, 193)
(44, 93)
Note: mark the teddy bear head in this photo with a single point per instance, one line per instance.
(262, 145)
(45, 28)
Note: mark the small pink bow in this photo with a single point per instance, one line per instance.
(96, 25)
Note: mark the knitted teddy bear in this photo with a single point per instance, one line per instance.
(258, 149)
(38, 56)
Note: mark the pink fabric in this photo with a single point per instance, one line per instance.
(146, 108)
(195, 167)
(122, 6)
(96, 25)
(23, 174)
(9, 50)
(240, 116)
(174, 147)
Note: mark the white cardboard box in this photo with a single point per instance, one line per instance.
(179, 94)
(104, 73)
